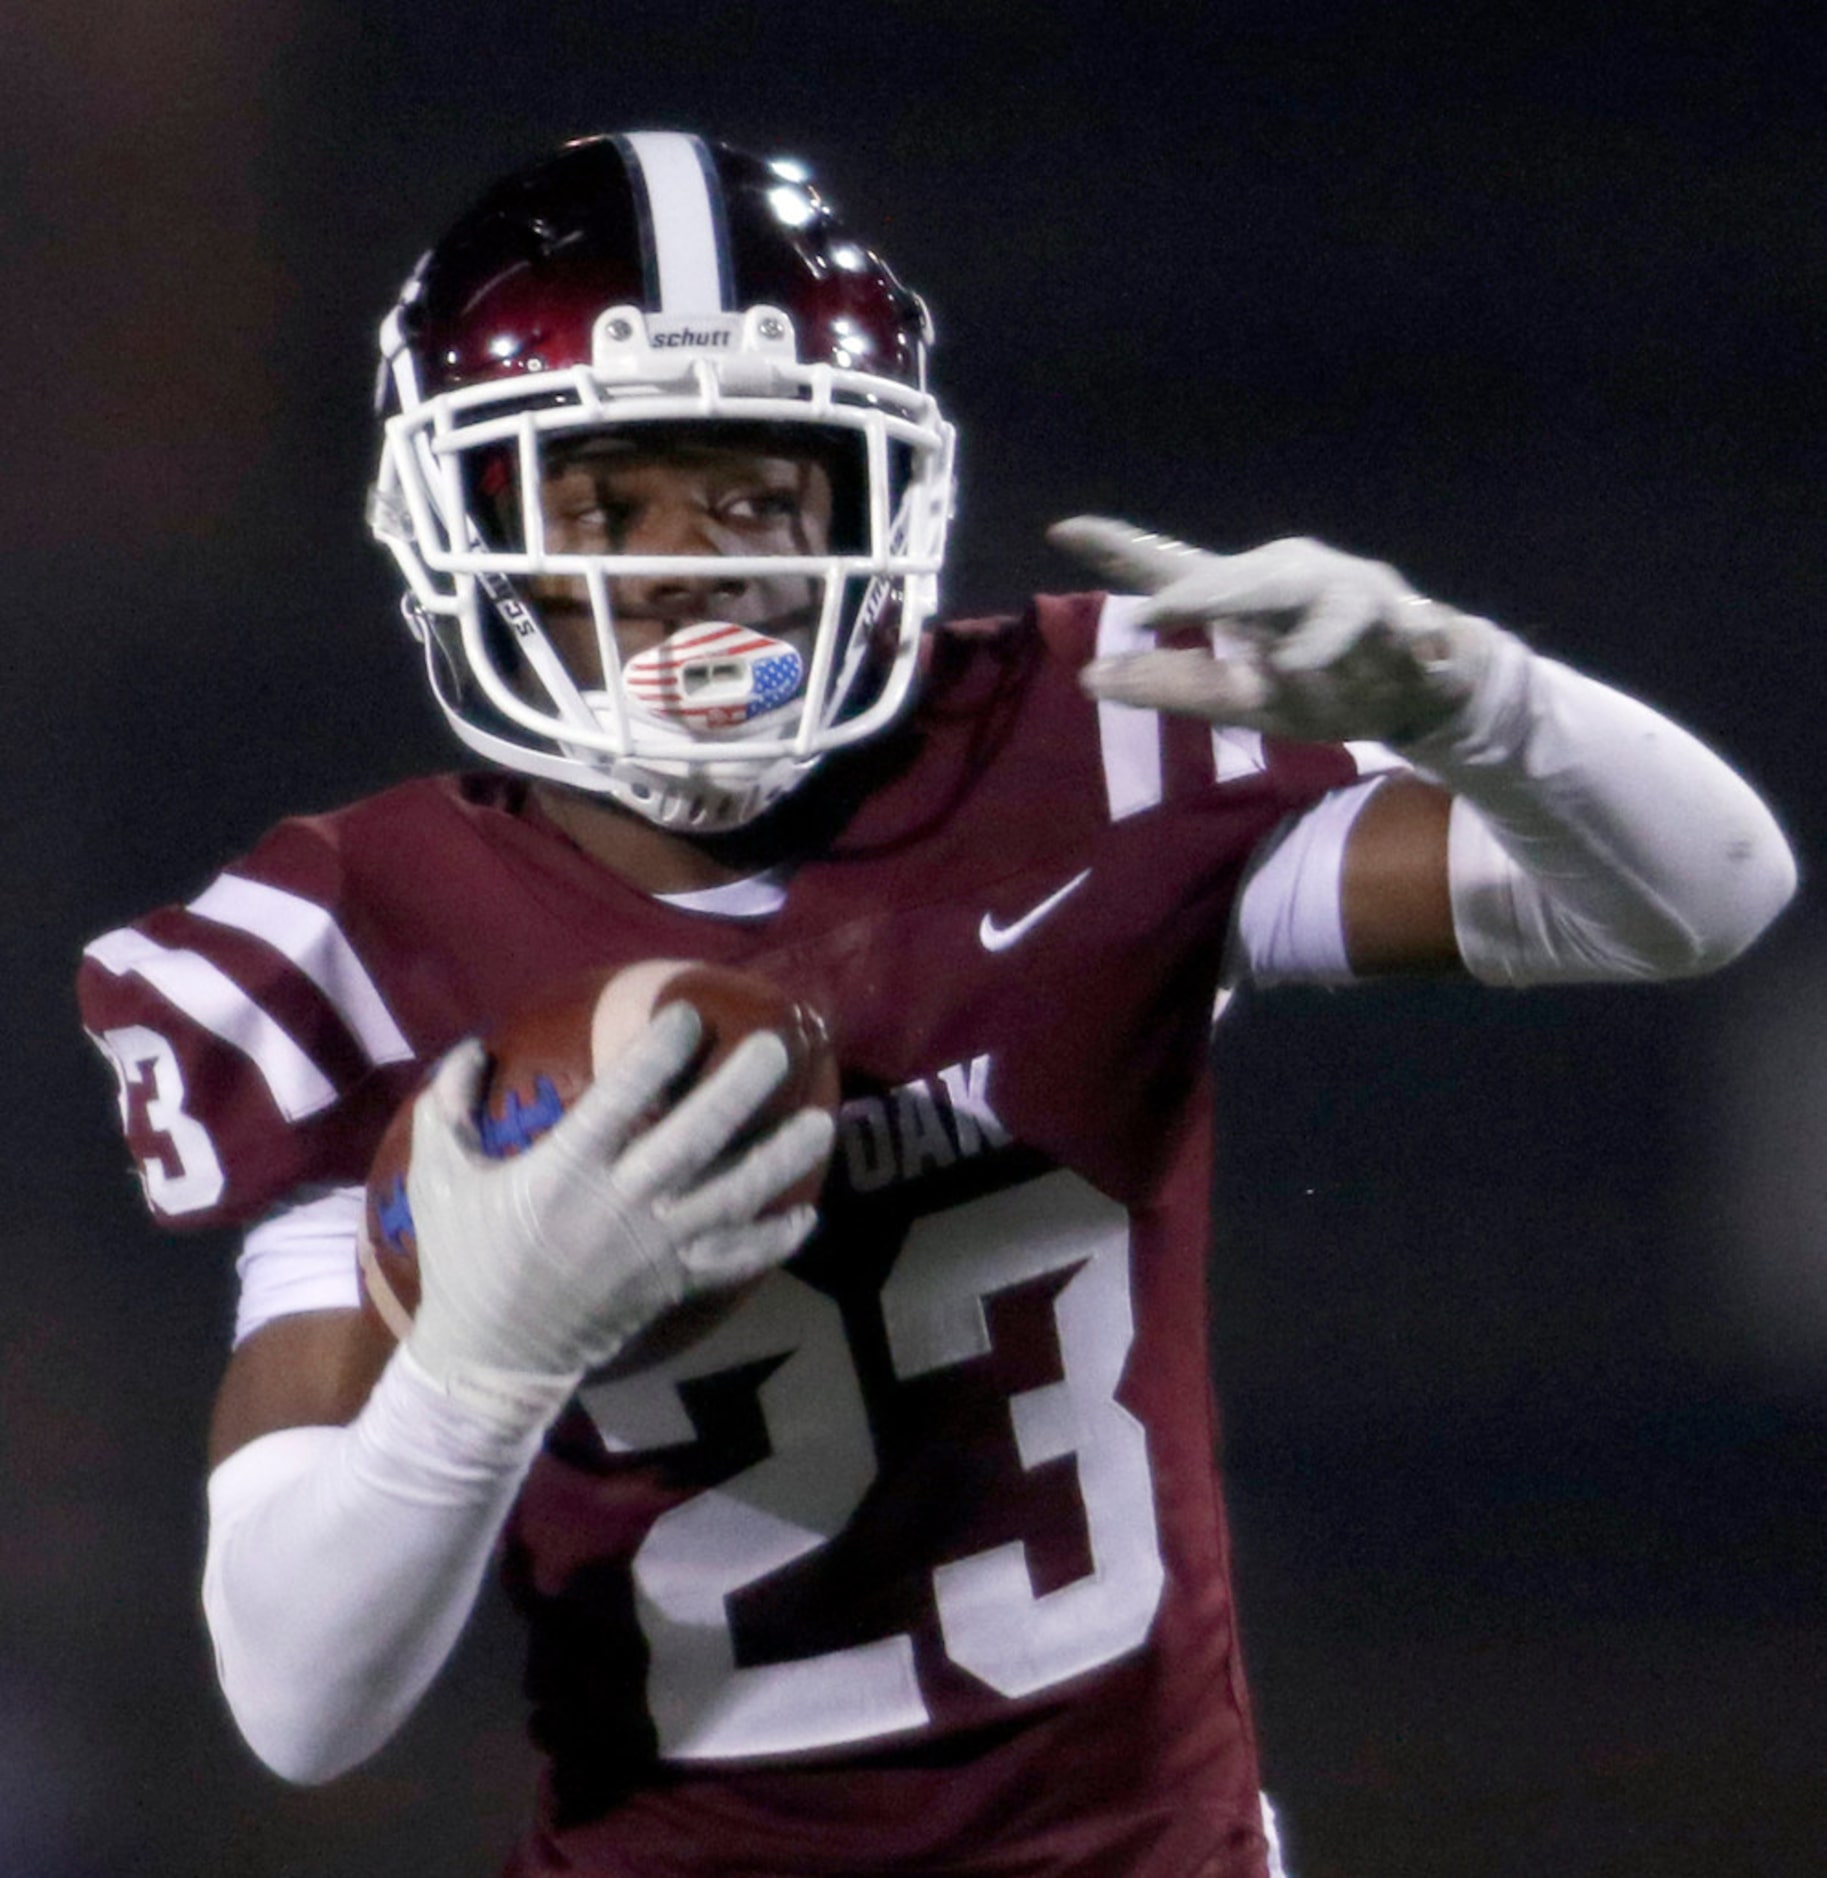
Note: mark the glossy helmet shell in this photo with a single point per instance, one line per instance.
(655, 278)
(518, 283)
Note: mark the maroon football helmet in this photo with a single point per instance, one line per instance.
(628, 293)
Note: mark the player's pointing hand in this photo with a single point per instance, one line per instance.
(1302, 640)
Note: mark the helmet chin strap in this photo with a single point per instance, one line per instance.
(534, 647)
(701, 799)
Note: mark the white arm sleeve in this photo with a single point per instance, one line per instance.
(342, 1564)
(1591, 839)
(301, 1259)
(1289, 925)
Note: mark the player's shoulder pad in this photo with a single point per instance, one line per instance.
(235, 1021)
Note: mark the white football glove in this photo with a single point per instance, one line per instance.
(536, 1269)
(1304, 641)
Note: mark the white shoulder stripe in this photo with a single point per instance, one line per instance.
(210, 998)
(1376, 759)
(1236, 752)
(1130, 740)
(307, 935)
(684, 221)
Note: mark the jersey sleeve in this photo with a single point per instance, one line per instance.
(255, 1049)
(1292, 804)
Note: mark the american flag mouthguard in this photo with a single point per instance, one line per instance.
(714, 676)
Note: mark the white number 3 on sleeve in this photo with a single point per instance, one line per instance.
(179, 1165)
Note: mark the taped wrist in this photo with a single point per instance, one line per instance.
(1591, 837)
(342, 1564)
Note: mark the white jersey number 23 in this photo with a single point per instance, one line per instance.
(822, 1461)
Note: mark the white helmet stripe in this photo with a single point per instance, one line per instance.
(682, 220)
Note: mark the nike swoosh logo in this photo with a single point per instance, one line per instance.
(994, 938)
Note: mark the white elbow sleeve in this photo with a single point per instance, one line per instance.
(1594, 839)
(342, 1564)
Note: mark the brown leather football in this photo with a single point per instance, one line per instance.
(543, 1057)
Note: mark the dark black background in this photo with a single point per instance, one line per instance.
(1521, 1301)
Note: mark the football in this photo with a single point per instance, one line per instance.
(542, 1058)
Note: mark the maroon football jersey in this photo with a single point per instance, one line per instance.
(915, 1562)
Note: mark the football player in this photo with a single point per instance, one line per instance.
(915, 1559)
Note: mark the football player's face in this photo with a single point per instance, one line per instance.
(680, 498)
